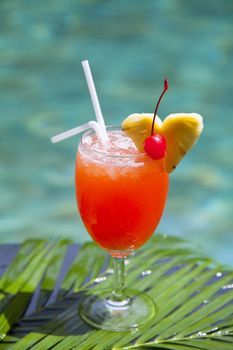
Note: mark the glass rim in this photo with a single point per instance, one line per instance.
(105, 153)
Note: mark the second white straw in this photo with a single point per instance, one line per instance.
(66, 134)
(94, 98)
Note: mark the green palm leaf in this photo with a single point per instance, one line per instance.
(194, 296)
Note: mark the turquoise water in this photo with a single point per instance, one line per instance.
(131, 46)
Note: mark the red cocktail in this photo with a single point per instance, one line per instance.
(121, 195)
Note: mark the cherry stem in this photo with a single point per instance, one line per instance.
(157, 106)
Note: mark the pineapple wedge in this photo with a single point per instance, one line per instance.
(181, 131)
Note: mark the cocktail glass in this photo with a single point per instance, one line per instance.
(121, 195)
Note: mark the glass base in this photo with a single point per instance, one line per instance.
(103, 311)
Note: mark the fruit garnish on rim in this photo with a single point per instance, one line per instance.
(171, 138)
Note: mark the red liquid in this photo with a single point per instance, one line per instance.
(120, 205)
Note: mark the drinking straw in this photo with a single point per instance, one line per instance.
(99, 126)
(66, 134)
(94, 98)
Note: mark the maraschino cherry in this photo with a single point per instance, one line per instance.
(155, 145)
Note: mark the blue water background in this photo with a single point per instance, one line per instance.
(131, 46)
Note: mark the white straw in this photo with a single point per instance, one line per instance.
(99, 126)
(94, 98)
(66, 134)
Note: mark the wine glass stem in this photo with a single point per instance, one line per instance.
(118, 293)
